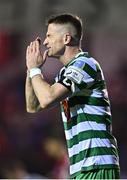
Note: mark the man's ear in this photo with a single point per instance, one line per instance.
(67, 39)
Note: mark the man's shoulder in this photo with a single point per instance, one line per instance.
(82, 61)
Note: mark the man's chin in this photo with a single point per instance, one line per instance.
(49, 54)
(53, 55)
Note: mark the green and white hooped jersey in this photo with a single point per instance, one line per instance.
(87, 117)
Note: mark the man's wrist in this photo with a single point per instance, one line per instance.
(34, 71)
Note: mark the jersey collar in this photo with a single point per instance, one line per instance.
(80, 53)
(76, 56)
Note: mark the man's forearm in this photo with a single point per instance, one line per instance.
(42, 90)
(32, 103)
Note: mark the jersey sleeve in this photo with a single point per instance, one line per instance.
(62, 79)
(79, 75)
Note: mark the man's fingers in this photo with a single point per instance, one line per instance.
(39, 40)
(38, 43)
(35, 48)
(27, 50)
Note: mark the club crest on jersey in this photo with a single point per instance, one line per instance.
(74, 74)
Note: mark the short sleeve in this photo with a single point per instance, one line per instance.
(62, 79)
(79, 75)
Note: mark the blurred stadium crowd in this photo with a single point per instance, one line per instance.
(33, 145)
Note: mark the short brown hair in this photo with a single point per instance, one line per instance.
(74, 20)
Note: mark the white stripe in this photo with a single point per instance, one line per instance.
(92, 63)
(87, 78)
(64, 117)
(94, 160)
(89, 143)
(90, 109)
(98, 93)
(84, 126)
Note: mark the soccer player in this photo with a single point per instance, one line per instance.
(81, 90)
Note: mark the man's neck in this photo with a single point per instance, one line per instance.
(69, 54)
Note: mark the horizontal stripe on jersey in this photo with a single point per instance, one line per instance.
(88, 135)
(77, 100)
(86, 144)
(84, 126)
(95, 110)
(96, 167)
(87, 117)
(97, 151)
(89, 161)
(98, 85)
(91, 93)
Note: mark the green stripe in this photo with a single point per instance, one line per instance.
(105, 119)
(81, 86)
(89, 70)
(94, 167)
(97, 151)
(95, 101)
(99, 85)
(88, 135)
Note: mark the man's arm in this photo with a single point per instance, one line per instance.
(32, 103)
(37, 89)
(48, 95)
